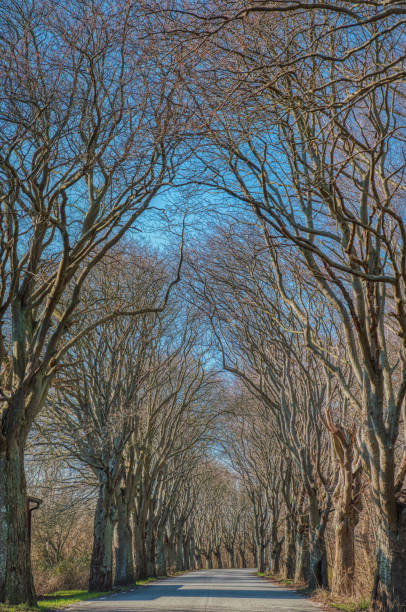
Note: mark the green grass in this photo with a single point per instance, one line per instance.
(146, 580)
(352, 606)
(61, 599)
(53, 601)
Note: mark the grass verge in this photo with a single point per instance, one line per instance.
(322, 596)
(341, 603)
(55, 601)
(61, 599)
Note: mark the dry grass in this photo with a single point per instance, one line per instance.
(352, 604)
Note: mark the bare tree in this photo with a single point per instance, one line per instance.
(311, 147)
(88, 134)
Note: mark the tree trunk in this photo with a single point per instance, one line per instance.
(255, 555)
(302, 553)
(150, 549)
(318, 576)
(219, 561)
(261, 564)
(16, 584)
(389, 593)
(290, 550)
(243, 558)
(140, 552)
(276, 548)
(124, 573)
(101, 565)
(209, 560)
(231, 557)
(160, 554)
(171, 553)
(186, 553)
(192, 554)
(199, 560)
(179, 549)
(344, 553)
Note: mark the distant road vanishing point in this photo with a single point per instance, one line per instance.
(237, 590)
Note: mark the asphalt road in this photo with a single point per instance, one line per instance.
(206, 591)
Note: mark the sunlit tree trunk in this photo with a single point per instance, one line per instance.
(318, 576)
(289, 549)
(389, 591)
(302, 551)
(219, 561)
(124, 571)
(15, 565)
(101, 565)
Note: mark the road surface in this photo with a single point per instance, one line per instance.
(205, 591)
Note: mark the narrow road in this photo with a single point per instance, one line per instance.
(207, 591)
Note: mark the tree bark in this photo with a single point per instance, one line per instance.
(302, 553)
(276, 548)
(186, 553)
(160, 554)
(16, 584)
(101, 565)
(389, 593)
(344, 553)
(219, 561)
(179, 549)
(124, 572)
(171, 553)
(318, 576)
(141, 569)
(231, 557)
(192, 553)
(199, 560)
(255, 555)
(150, 549)
(290, 549)
(261, 558)
(243, 558)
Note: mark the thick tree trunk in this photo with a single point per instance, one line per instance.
(346, 511)
(160, 554)
(261, 558)
(318, 575)
(219, 561)
(150, 549)
(124, 572)
(101, 565)
(16, 584)
(199, 560)
(302, 553)
(276, 549)
(141, 569)
(389, 593)
(344, 553)
(289, 549)
(255, 556)
(192, 553)
(179, 550)
(243, 558)
(231, 557)
(209, 560)
(171, 553)
(186, 553)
